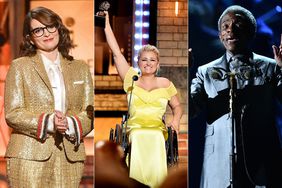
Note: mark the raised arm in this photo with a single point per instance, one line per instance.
(120, 61)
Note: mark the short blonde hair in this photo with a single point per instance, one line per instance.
(149, 48)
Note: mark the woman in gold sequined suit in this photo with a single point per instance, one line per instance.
(47, 93)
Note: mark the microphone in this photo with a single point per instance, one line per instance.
(216, 74)
(135, 78)
(219, 73)
(243, 73)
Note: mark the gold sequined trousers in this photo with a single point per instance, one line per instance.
(56, 172)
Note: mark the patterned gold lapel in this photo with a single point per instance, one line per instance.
(39, 67)
(65, 65)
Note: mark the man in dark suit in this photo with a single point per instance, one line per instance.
(239, 91)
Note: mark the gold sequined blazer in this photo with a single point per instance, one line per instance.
(29, 96)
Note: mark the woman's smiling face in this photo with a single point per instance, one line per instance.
(48, 41)
(148, 62)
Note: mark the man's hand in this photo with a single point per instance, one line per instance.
(278, 53)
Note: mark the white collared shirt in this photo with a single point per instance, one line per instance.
(55, 75)
(54, 72)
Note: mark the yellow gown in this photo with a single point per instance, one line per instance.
(147, 131)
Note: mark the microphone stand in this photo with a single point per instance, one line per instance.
(233, 153)
(218, 74)
(124, 144)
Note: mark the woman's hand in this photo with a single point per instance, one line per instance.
(175, 105)
(60, 122)
(278, 53)
(106, 15)
(174, 126)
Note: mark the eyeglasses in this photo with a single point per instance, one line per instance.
(39, 31)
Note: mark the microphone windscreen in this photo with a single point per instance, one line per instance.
(135, 78)
(215, 74)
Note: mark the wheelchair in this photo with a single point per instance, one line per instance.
(119, 136)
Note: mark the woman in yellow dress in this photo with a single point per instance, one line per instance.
(150, 97)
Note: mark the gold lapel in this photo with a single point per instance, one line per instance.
(39, 67)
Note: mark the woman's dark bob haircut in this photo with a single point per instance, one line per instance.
(48, 18)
